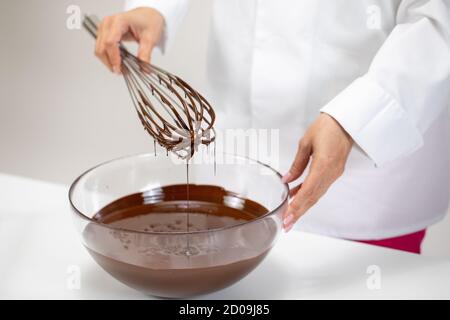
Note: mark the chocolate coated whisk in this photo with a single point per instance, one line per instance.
(171, 111)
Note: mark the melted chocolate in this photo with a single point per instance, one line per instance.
(162, 259)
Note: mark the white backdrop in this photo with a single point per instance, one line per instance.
(62, 112)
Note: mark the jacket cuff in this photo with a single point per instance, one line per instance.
(173, 12)
(375, 121)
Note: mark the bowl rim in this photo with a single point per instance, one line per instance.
(175, 233)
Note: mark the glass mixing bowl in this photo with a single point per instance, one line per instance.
(151, 262)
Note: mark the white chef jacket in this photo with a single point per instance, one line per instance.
(381, 68)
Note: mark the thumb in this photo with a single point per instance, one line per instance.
(300, 162)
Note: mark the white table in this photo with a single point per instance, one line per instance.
(40, 254)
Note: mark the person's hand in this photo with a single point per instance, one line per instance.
(143, 25)
(327, 144)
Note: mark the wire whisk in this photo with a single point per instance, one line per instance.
(171, 111)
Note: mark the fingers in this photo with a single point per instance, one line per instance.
(100, 51)
(109, 34)
(329, 146)
(117, 28)
(300, 162)
(142, 24)
(145, 48)
(293, 191)
(314, 186)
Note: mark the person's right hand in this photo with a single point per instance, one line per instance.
(143, 25)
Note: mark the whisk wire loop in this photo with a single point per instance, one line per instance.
(171, 111)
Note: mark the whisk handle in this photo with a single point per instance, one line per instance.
(90, 23)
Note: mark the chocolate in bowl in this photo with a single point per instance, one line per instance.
(134, 218)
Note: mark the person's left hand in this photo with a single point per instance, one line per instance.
(327, 144)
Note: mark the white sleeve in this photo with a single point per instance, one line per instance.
(407, 86)
(173, 12)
